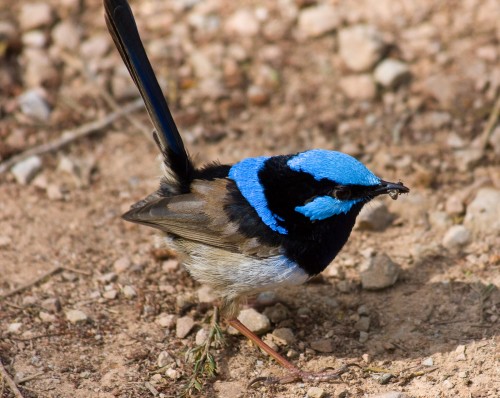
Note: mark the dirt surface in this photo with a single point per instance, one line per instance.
(252, 78)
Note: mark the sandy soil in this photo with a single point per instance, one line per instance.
(236, 93)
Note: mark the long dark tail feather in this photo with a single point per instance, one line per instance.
(123, 29)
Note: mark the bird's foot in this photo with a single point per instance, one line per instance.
(204, 361)
(297, 375)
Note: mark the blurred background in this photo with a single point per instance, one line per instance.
(411, 88)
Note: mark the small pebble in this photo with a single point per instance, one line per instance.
(46, 317)
(323, 345)
(76, 316)
(315, 392)
(456, 237)
(15, 328)
(166, 320)
(318, 20)
(34, 105)
(170, 265)
(164, 359)
(428, 362)
(391, 73)
(363, 324)
(363, 337)
(25, 170)
(390, 394)
(129, 292)
(360, 47)
(54, 192)
(379, 272)
(257, 95)
(183, 326)
(242, 23)
(483, 213)
(51, 305)
(358, 87)
(375, 217)
(35, 15)
(277, 313)
(201, 336)
(255, 321)
(66, 35)
(5, 241)
(454, 205)
(122, 264)
(108, 277)
(110, 294)
(283, 336)
(172, 373)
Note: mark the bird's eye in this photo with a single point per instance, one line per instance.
(342, 193)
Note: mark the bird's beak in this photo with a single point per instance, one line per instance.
(393, 189)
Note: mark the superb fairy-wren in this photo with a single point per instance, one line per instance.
(262, 223)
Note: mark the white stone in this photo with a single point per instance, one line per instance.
(358, 87)
(317, 20)
(35, 15)
(242, 23)
(428, 362)
(255, 321)
(66, 35)
(164, 359)
(201, 336)
(121, 265)
(25, 170)
(391, 72)
(166, 320)
(379, 272)
(456, 237)
(34, 105)
(15, 327)
(360, 47)
(315, 392)
(129, 291)
(34, 38)
(483, 213)
(76, 316)
(183, 326)
(46, 317)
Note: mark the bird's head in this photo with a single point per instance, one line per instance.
(308, 187)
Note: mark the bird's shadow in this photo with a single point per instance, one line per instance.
(423, 314)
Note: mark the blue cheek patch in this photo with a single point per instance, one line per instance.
(245, 175)
(325, 206)
(334, 166)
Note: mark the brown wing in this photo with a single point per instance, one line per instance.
(199, 217)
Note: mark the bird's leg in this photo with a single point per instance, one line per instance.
(296, 374)
(204, 362)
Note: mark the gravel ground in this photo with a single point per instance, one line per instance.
(91, 306)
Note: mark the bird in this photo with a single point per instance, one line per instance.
(261, 223)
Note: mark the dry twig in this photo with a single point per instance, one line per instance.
(32, 283)
(69, 136)
(12, 385)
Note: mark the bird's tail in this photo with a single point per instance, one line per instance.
(123, 29)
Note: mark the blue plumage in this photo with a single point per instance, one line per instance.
(323, 207)
(334, 166)
(246, 176)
